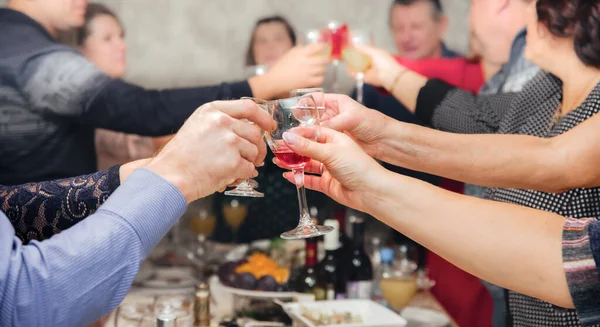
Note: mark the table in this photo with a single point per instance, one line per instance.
(426, 300)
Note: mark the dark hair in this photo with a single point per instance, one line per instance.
(579, 19)
(250, 60)
(93, 10)
(436, 6)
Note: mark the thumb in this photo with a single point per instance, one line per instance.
(305, 147)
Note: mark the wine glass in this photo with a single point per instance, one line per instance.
(337, 35)
(315, 36)
(294, 114)
(358, 61)
(235, 213)
(248, 186)
(399, 289)
(202, 224)
(317, 93)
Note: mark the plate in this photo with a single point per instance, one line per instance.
(175, 277)
(371, 313)
(425, 317)
(258, 294)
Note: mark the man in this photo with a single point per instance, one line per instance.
(418, 27)
(52, 99)
(84, 272)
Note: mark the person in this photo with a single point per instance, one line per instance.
(560, 98)
(56, 98)
(37, 211)
(101, 39)
(271, 38)
(214, 148)
(418, 28)
(499, 37)
(550, 258)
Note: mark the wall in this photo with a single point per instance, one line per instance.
(191, 42)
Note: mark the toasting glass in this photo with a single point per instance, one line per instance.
(359, 62)
(248, 186)
(295, 114)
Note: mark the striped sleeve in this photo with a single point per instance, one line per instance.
(580, 258)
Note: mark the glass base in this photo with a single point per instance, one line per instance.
(244, 192)
(307, 231)
(247, 189)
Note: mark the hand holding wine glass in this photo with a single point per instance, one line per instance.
(383, 69)
(350, 176)
(214, 148)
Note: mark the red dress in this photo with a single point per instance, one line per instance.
(463, 295)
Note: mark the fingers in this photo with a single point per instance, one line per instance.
(305, 147)
(312, 167)
(311, 182)
(252, 134)
(247, 109)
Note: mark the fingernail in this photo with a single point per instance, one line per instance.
(274, 160)
(290, 138)
(255, 173)
(262, 164)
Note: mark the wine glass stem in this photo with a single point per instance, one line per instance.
(304, 215)
(334, 77)
(360, 83)
(234, 235)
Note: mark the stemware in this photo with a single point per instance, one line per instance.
(358, 61)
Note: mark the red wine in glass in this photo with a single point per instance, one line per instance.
(290, 159)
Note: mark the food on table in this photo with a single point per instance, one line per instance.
(258, 272)
(325, 318)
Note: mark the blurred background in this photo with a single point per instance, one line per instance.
(175, 43)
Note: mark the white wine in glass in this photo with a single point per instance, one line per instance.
(398, 291)
(359, 62)
(234, 213)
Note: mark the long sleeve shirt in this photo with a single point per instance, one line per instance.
(38, 211)
(81, 274)
(581, 257)
(52, 99)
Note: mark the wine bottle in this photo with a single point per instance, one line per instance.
(327, 270)
(360, 271)
(344, 251)
(307, 278)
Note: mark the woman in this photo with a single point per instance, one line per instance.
(38, 211)
(527, 261)
(271, 38)
(102, 41)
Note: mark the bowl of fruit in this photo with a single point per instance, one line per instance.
(257, 276)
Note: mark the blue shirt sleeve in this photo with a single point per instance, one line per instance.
(84, 272)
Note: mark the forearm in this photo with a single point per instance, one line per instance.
(101, 255)
(406, 87)
(506, 161)
(514, 247)
(39, 210)
(127, 108)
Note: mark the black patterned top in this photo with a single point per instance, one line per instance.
(39, 210)
(530, 112)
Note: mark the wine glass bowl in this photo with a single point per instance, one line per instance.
(296, 114)
(235, 213)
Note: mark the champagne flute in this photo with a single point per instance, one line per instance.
(291, 114)
(358, 61)
(248, 186)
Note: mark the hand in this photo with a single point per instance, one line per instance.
(364, 125)
(214, 148)
(384, 68)
(349, 175)
(301, 67)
